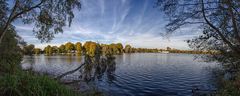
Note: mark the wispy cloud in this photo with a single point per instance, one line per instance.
(133, 22)
(102, 6)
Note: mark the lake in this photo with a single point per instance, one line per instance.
(136, 74)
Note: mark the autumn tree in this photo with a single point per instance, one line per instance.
(120, 47)
(114, 48)
(69, 47)
(91, 48)
(104, 48)
(95, 66)
(78, 47)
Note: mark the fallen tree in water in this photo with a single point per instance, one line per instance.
(69, 72)
(92, 68)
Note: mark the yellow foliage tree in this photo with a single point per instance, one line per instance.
(91, 48)
(78, 47)
(69, 47)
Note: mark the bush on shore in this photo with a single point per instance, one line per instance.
(228, 87)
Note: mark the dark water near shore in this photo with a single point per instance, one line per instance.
(151, 74)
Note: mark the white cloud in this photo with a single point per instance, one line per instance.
(116, 21)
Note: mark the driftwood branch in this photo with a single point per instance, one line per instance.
(69, 72)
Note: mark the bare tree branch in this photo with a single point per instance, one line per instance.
(236, 31)
(217, 30)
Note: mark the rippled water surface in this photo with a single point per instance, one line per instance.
(152, 74)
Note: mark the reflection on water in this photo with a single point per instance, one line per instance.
(131, 74)
(96, 67)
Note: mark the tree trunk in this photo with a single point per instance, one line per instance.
(69, 72)
(10, 19)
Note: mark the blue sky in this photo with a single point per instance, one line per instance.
(134, 22)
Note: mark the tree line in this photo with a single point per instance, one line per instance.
(92, 48)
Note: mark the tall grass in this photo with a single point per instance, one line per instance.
(229, 87)
(28, 84)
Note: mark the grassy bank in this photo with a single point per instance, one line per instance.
(29, 84)
(229, 87)
(16, 82)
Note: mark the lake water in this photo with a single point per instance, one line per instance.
(137, 74)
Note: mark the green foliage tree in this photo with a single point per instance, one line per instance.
(120, 47)
(168, 48)
(28, 49)
(128, 49)
(62, 49)
(133, 50)
(48, 16)
(78, 47)
(48, 50)
(116, 48)
(55, 49)
(37, 50)
(10, 52)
